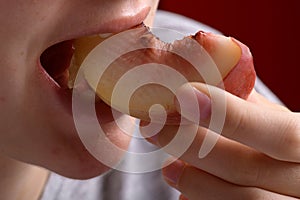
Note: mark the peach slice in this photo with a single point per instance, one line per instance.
(134, 70)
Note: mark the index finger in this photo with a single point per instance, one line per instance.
(271, 131)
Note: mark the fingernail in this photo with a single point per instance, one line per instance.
(173, 172)
(192, 103)
(181, 197)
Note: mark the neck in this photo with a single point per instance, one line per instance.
(20, 181)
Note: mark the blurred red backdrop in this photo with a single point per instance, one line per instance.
(270, 28)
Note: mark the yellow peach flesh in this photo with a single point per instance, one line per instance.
(224, 52)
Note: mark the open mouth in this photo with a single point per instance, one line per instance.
(56, 61)
(229, 62)
(59, 58)
(62, 60)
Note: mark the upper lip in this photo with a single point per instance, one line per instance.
(126, 22)
(118, 24)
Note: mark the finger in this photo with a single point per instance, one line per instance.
(196, 184)
(260, 100)
(270, 131)
(231, 161)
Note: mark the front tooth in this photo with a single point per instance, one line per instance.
(105, 35)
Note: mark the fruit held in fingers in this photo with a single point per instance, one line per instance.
(134, 70)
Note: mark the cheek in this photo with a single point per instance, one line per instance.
(12, 83)
(20, 18)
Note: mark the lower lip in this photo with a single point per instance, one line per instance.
(52, 90)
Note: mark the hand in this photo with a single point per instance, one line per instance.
(257, 155)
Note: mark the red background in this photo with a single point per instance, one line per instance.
(271, 30)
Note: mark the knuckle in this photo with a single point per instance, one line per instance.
(247, 172)
(288, 147)
(235, 124)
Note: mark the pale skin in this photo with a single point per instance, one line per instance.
(37, 127)
(36, 122)
(257, 156)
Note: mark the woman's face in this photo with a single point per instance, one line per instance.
(36, 113)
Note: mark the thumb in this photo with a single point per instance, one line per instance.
(194, 101)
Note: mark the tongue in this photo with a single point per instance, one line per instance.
(56, 61)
